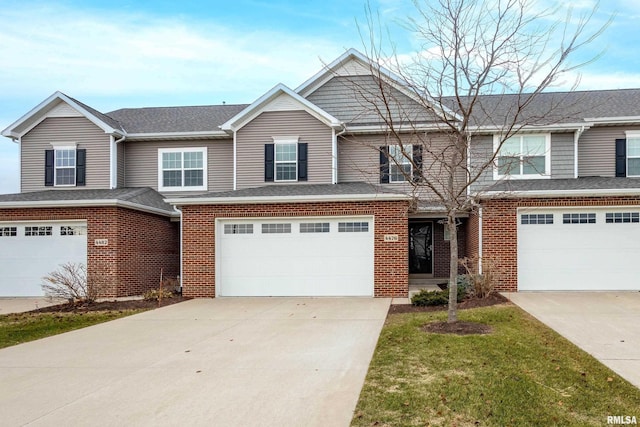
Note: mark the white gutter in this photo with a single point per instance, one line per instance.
(284, 199)
(511, 194)
(85, 203)
(217, 134)
(613, 120)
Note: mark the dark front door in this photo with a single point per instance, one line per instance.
(421, 248)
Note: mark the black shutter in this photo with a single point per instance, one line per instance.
(417, 163)
(81, 167)
(268, 162)
(621, 157)
(384, 165)
(302, 162)
(49, 159)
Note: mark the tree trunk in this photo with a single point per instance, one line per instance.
(452, 314)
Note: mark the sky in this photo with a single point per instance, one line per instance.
(144, 53)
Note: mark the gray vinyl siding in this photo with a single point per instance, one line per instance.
(251, 139)
(141, 163)
(121, 151)
(562, 155)
(481, 151)
(359, 160)
(357, 100)
(54, 131)
(597, 150)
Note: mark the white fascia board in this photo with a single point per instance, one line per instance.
(560, 193)
(9, 131)
(215, 134)
(85, 203)
(382, 128)
(285, 199)
(613, 120)
(568, 127)
(258, 106)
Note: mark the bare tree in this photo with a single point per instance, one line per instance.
(482, 69)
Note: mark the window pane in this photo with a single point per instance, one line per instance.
(533, 145)
(193, 178)
(171, 160)
(193, 160)
(633, 147)
(65, 158)
(172, 178)
(396, 156)
(633, 167)
(533, 165)
(66, 176)
(286, 152)
(399, 173)
(511, 147)
(508, 165)
(286, 172)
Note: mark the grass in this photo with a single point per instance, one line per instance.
(523, 374)
(22, 327)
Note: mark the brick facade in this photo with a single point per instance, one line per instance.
(390, 217)
(140, 244)
(441, 250)
(500, 226)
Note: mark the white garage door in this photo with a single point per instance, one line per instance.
(30, 250)
(579, 249)
(295, 257)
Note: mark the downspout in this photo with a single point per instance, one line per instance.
(480, 240)
(114, 159)
(235, 186)
(180, 277)
(334, 154)
(576, 137)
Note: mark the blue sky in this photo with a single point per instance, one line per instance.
(139, 53)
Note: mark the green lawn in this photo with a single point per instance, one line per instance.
(523, 374)
(23, 327)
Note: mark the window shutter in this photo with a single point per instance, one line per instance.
(81, 167)
(417, 162)
(384, 165)
(268, 162)
(49, 159)
(302, 162)
(621, 157)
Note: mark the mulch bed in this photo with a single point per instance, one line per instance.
(115, 305)
(457, 328)
(492, 299)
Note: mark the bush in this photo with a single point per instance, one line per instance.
(426, 297)
(480, 285)
(156, 294)
(71, 282)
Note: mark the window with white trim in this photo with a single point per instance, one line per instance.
(65, 166)
(400, 167)
(314, 227)
(238, 229)
(353, 227)
(8, 231)
(622, 217)
(525, 156)
(38, 231)
(579, 218)
(286, 160)
(633, 155)
(182, 169)
(276, 228)
(73, 230)
(527, 219)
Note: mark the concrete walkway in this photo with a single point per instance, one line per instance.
(222, 362)
(604, 324)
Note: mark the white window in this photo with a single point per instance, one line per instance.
(400, 167)
(353, 227)
(38, 231)
(314, 227)
(65, 166)
(633, 155)
(182, 169)
(238, 229)
(8, 231)
(286, 160)
(523, 156)
(276, 228)
(73, 230)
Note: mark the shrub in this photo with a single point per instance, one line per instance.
(480, 285)
(156, 294)
(426, 297)
(71, 282)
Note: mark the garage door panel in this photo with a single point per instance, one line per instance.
(595, 256)
(25, 259)
(295, 264)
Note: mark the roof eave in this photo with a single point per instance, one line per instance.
(285, 199)
(86, 203)
(178, 135)
(559, 193)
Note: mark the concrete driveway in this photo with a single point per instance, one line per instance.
(222, 362)
(22, 304)
(604, 324)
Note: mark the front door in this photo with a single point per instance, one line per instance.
(421, 248)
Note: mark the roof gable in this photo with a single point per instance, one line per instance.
(280, 98)
(60, 105)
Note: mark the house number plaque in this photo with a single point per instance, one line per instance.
(101, 242)
(391, 238)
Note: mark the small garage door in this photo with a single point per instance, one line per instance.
(295, 257)
(578, 249)
(29, 251)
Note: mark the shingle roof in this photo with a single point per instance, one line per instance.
(567, 184)
(292, 190)
(175, 119)
(144, 196)
(105, 118)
